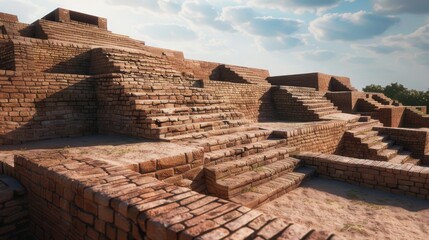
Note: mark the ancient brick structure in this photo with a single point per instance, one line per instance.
(236, 138)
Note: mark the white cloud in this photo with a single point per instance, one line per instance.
(158, 6)
(378, 48)
(27, 11)
(279, 43)
(350, 26)
(359, 59)
(246, 20)
(296, 5)
(168, 32)
(202, 12)
(401, 6)
(418, 39)
(316, 55)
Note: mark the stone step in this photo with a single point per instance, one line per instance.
(387, 154)
(144, 104)
(307, 101)
(374, 140)
(168, 132)
(162, 121)
(365, 127)
(368, 136)
(323, 109)
(233, 139)
(189, 110)
(381, 146)
(357, 125)
(216, 172)
(194, 138)
(327, 112)
(401, 157)
(232, 186)
(240, 151)
(273, 189)
(321, 104)
(170, 96)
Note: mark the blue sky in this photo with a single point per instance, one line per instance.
(371, 41)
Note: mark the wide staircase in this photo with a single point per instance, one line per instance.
(250, 166)
(302, 104)
(171, 104)
(84, 34)
(362, 141)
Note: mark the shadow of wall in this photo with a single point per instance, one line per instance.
(43, 106)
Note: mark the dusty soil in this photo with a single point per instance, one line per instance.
(118, 150)
(353, 212)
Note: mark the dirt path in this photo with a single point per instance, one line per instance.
(353, 212)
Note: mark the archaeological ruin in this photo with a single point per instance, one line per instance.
(104, 137)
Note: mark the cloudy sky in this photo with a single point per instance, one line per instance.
(371, 41)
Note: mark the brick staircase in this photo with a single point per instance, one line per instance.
(337, 85)
(303, 104)
(362, 141)
(383, 99)
(167, 102)
(244, 75)
(250, 166)
(83, 34)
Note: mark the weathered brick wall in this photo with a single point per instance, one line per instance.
(255, 101)
(14, 221)
(7, 61)
(51, 56)
(324, 138)
(402, 179)
(298, 80)
(89, 199)
(320, 81)
(391, 116)
(37, 106)
(416, 140)
(8, 17)
(413, 119)
(83, 34)
(345, 101)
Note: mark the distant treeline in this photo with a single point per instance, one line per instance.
(396, 91)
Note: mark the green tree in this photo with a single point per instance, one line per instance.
(396, 91)
(373, 88)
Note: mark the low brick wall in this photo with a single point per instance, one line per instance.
(324, 138)
(402, 179)
(89, 199)
(50, 56)
(415, 140)
(175, 169)
(14, 221)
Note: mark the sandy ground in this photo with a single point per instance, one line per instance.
(118, 150)
(353, 212)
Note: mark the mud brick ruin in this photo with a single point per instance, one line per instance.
(224, 138)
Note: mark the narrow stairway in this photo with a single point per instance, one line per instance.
(302, 104)
(362, 141)
(250, 166)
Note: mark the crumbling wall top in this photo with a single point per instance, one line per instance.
(8, 17)
(65, 15)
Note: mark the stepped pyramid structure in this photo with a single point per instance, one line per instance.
(217, 140)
